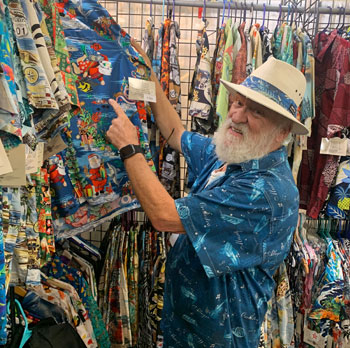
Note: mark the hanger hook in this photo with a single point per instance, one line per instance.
(251, 13)
(280, 14)
(223, 13)
(344, 11)
(174, 9)
(150, 8)
(163, 8)
(330, 17)
(264, 13)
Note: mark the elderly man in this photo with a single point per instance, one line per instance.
(237, 223)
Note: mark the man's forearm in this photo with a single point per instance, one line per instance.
(166, 117)
(155, 200)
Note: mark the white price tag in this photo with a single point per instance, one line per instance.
(54, 146)
(313, 338)
(334, 146)
(5, 165)
(40, 154)
(303, 142)
(31, 160)
(17, 178)
(142, 90)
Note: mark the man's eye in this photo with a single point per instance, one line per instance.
(258, 112)
(238, 103)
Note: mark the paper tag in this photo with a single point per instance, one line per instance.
(31, 160)
(303, 142)
(334, 146)
(290, 148)
(17, 157)
(54, 146)
(313, 338)
(5, 165)
(40, 154)
(142, 90)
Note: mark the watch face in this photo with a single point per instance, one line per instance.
(129, 150)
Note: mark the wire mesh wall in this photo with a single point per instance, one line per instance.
(132, 16)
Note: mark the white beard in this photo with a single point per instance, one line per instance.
(231, 149)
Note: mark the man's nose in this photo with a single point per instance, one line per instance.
(238, 115)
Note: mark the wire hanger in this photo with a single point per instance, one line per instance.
(204, 10)
(288, 13)
(292, 16)
(229, 9)
(163, 8)
(174, 10)
(223, 13)
(236, 5)
(340, 8)
(279, 15)
(329, 19)
(150, 8)
(263, 23)
(341, 29)
(245, 11)
(251, 14)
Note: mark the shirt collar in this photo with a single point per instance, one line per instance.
(266, 162)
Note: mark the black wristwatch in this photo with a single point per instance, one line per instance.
(129, 150)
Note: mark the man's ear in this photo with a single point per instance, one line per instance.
(282, 135)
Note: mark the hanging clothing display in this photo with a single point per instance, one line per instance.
(131, 285)
(200, 95)
(93, 183)
(332, 109)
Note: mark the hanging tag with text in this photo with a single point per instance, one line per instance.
(142, 90)
(334, 146)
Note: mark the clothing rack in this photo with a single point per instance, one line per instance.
(246, 5)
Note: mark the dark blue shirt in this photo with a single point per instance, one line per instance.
(238, 230)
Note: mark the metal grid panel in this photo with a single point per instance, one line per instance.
(132, 17)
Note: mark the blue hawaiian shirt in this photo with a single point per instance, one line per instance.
(238, 230)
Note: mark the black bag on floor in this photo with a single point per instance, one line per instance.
(48, 334)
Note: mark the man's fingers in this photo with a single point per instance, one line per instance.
(117, 108)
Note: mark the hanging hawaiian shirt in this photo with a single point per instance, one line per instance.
(332, 88)
(255, 41)
(170, 171)
(57, 269)
(148, 39)
(265, 43)
(10, 121)
(329, 304)
(3, 332)
(156, 63)
(239, 72)
(88, 178)
(216, 66)
(222, 101)
(55, 30)
(200, 95)
(217, 284)
(338, 206)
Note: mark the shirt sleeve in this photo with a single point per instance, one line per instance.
(227, 226)
(198, 150)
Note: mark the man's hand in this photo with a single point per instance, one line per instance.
(121, 132)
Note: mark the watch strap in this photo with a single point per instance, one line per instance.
(129, 151)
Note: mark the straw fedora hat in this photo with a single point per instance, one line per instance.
(277, 85)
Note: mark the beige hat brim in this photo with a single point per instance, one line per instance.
(297, 127)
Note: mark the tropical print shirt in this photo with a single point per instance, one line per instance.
(239, 227)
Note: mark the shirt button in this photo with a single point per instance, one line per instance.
(196, 233)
